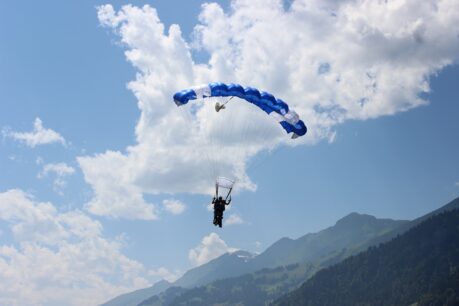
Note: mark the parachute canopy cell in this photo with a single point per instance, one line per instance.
(271, 105)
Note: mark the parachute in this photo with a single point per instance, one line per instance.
(274, 107)
(225, 184)
(278, 109)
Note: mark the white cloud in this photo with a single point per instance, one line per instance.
(331, 60)
(233, 219)
(60, 258)
(164, 273)
(174, 206)
(39, 135)
(59, 170)
(211, 246)
(115, 195)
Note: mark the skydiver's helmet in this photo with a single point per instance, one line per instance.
(220, 198)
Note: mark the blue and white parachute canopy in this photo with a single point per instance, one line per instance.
(273, 106)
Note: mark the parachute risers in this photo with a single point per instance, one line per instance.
(225, 184)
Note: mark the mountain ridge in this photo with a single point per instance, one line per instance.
(419, 267)
(277, 264)
(267, 284)
(137, 296)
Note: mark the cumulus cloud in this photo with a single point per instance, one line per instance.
(60, 258)
(39, 135)
(233, 219)
(115, 195)
(174, 206)
(59, 170)
(331, 60)
(211, 246)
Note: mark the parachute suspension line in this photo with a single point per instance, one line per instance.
(226, 128)
(208, 146)
(218, 127)
(223, 124)
(214, 141)
(227, 101)
(261, 156)
(187, 113)
(212, 146)
(261, 133)
(260, 160)
(228, 195)
(248, 129)
(224, 186)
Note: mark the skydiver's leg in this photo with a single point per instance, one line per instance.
(215, 217)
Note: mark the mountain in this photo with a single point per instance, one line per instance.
(164, 298)
(420, 267)
(353, 231)
(135, 297)
(349, 236)
(227, 265)
(454, 204)
(254, 289)
(265, 285)
(350, 231)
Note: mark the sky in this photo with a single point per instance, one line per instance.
(105, 184)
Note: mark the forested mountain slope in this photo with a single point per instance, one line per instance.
(420, 267)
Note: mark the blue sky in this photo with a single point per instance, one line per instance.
(101, 186)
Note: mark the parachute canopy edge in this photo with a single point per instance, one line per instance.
(271, 105)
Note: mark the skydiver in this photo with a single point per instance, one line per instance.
(219, 208)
